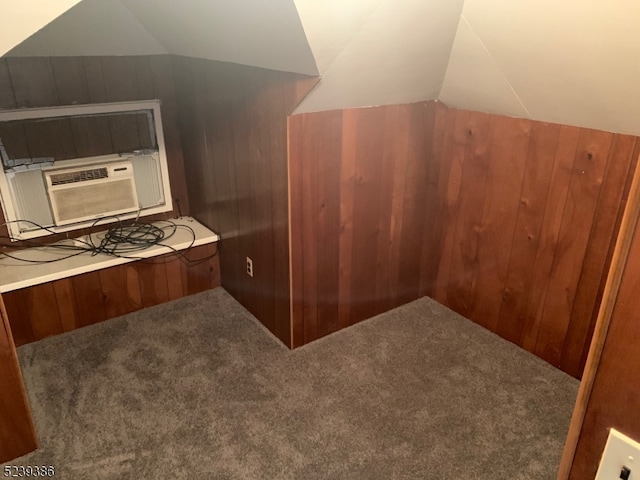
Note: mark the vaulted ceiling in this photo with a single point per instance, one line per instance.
(571, 63)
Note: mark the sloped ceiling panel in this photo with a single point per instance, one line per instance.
(399, 55)
(473, 78)
(259, 33)
(94, 27)
(20, 19)
(570, 63)
(331, 24)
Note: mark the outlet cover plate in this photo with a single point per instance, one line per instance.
(620, 451)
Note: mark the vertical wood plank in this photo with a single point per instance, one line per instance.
(347, 188)
(161, 71)
(415, 199)
(213, 253)
(14, 139)
(435, 118)
(510, 143)
(70, 80)
(92, 136)
(95, 79)
(18, 316)
(235, 136)
(154, 288)
(7, 96)
(199, 274)
(477, 132)
(367, 183)
(295, 142)
(65, 299)
(120, 78)
(328, 190)
(17, 432)
(51, 139)
(626, 206)
(618, 361)
(395, 137)
(597, 256)
(584, 190)
(33, 82)
(396, 144)
(262, 201)
(550, 230)
(175, 284)
(451, 184)
(537, 176)
(89, 299)
(310, 228)
(42, 308)
(121, 290)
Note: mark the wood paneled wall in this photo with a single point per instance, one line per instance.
(613, 399)
(63, 305)
(509, 222)
(17, 433)
(531, 218)
(46, 82)
(365, 213)
(234, 129)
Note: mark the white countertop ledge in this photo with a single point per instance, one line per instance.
(15, 274)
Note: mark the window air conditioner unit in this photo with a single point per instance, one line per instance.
(91, 192)
(123, 179)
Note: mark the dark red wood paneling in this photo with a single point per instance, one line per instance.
(234, 121)
(359, 189)
(17, 433)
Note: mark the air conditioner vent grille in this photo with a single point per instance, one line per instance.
(80, 176)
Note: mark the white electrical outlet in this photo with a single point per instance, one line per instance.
(249, 267)
(620, 459)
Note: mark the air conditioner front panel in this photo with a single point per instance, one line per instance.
(86, 202)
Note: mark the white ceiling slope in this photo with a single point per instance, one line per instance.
(576, 64)
(22, 18)
(473, 78)
(259, 33)
(93, 27)
(331, 24)
(565, 62)
(398, 55)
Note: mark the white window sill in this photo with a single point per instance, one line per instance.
(15, 274)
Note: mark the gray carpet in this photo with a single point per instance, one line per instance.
(198, 389)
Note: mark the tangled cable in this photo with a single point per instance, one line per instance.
(121, 240)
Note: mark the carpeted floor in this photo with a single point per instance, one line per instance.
(198, 389)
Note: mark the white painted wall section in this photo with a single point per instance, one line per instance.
(258, 33)
(399, 55)
(22, 18)
(570, 63)
(94, 27)
(331, 24)
(474, 78)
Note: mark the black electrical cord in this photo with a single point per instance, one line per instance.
(121, 241)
